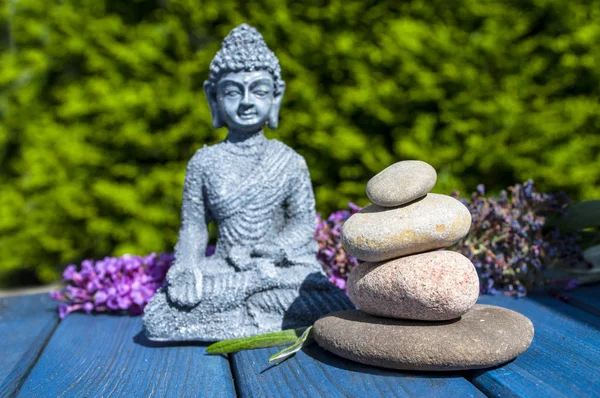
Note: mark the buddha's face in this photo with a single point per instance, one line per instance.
(245, 99)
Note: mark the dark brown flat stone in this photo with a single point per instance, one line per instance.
(485, 336)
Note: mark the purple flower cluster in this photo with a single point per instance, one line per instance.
(124, 283)
(336, 263)
(508, 243)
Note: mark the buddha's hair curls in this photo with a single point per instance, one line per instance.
(244, 49)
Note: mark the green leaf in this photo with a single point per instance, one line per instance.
(272, 339)
(284, 354)
(580, 216)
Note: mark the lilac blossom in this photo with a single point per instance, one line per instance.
(114, 284)
(336, 263)
(123, 283)
(508, 243)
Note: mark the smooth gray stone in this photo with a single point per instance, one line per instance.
(401, 183)
(484, 337)
(377, 233)
(264, 275)
(431, 286)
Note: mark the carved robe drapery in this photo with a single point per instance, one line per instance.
(273, 204)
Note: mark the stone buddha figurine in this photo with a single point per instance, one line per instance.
(264, 275)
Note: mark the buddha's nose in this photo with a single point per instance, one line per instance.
(246, 101)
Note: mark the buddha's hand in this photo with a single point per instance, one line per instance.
(270, 251)
(241, 259)
(184, 285)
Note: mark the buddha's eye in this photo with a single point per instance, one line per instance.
(232, 93)
(260, 92)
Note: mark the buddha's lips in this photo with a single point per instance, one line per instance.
(247, 115)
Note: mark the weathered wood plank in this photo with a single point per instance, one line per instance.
(26, 323)
(314, 372)
(103, 355)
(563, 360)
(585, 297)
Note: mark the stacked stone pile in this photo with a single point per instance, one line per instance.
(417, 302)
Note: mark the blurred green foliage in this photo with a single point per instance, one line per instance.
(102, 106)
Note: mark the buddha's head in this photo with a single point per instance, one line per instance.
(244, 88)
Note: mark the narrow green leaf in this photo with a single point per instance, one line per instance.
(259, 341)
(302, 341)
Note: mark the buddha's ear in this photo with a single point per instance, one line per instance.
(215, 110)
(273, 120)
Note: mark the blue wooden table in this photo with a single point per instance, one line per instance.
(107, 356)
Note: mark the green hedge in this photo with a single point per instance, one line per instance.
(101, 107)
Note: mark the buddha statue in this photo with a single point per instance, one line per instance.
(264, 275)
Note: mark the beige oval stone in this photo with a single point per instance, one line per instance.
(377, 233)
(432, 286)
(401, 183)
(484, 337)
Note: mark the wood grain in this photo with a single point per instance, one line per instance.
(26, 323)
(585, 297)
(314, 372)
(563, 359)
(104, 356)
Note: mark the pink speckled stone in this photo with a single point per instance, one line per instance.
(432, 286)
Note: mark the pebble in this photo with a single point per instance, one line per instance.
(377, 233)
(484, 337)
(401, 183)
(432, 286)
